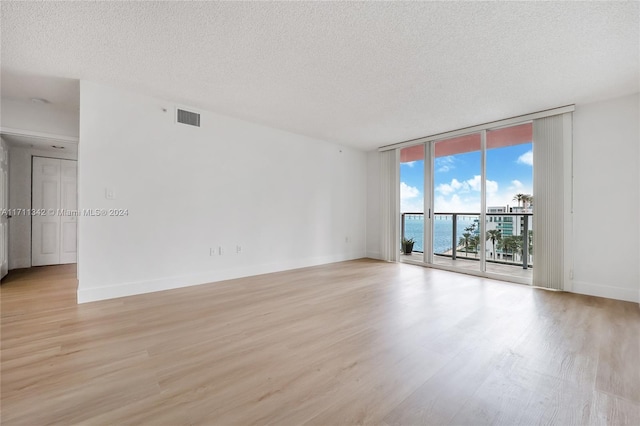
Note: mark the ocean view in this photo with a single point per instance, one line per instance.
(443, 225)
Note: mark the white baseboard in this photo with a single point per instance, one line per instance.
(92, 294)
(86, 293)
(374, 255)
(610, 292)
(20, 263)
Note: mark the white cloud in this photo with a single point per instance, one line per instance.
(492, 186)
(451, 205)
(516, 185)
(526, 158)
(476, 184)
(444, 164)
(463, 196)
(409, 163)
(412, 205)
(407, 191)
(455, 185)
(410, 199)
(473, 184)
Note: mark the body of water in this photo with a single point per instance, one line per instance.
(443, 226)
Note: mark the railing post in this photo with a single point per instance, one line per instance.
(455, 232)
(402, 228)
(525, 242)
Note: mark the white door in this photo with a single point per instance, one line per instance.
(4, 206)
(53, 234)
(68, 203)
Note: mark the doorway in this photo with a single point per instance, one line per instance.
(467, 202)
(21, 148)
(54, 222)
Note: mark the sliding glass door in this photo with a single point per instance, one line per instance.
(509, 211)
(412, 202)
(467, 203)
(457, 202)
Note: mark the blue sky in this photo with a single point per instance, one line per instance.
(457, 180)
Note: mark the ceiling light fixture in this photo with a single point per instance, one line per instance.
(39, 101)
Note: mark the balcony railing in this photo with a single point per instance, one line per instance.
(515, 237)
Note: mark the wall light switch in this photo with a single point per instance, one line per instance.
(109, 193)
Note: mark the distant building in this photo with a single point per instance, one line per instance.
(507, 225)
(503, 223)
(497, 209)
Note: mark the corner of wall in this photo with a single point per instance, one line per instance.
(238, 183)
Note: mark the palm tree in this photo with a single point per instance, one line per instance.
(466, 237)
(494, 235)
(519, 198)
(510, 244)
(527, 200)
(475, 243)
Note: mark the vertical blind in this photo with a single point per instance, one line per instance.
(552, 188)
(390, 203)
(552, 200)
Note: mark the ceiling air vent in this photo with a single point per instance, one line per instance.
(188, 117)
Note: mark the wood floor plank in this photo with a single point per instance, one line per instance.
(517, 396)
(565, 342)
(612, 410)
(390, 375)
(359, 342)
(619, 334)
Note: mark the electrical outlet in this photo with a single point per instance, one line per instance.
(238, 249)
(211, 252)
(220, 250)
(110, 193)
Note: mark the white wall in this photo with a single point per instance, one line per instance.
(20, 198)
(288, 200)
(606, 198)
(606, 142)
(41, 118)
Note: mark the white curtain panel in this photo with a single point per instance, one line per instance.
(552, 141)
(390, 203)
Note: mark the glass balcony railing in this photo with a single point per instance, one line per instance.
(508, 238)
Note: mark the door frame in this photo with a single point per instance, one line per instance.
(429, 198)
(429, 161)
(39, 136)
(5, 215)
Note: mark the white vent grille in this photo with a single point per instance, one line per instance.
(188, 117)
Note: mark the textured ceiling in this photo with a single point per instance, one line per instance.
(361, 74)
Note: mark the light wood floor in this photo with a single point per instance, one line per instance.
(474, 265)
(347, 343)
